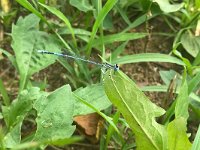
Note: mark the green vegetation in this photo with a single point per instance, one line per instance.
(90, 28)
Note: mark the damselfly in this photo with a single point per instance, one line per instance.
(102, 65)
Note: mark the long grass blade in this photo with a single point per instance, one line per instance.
(148, 57)
(107, 7)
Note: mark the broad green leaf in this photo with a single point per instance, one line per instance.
(106, 8)
(182, 101)
(191, 43)
(167, 7)
(82, 5)
(196, 143)
(177, 136)
(147, 57)
(139, 112)
(15, 113)
(26, 40)
(118, 38)
(93, 94)
(63, 18)
(55, 115)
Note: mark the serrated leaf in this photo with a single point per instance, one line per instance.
(93, 94)
(55, 115)
(177, 136)
(167, 7)
(26, 41)
(191, 43)
(137, 109)
(82, 5)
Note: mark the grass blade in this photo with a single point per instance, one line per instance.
(108, 119)
(196, 144)
(108, 6)
(63, 18)
(148, 57)
(6, 99)
(194, 83)
(28, 6)
(118, 37)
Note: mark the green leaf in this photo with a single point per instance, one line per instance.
(65, 141)
(108, 119)
(118, 38)
(197, 59)
(122, 12)
(118, 50)
(26, 41)
(148, 57)
(194, 82)
(63, 18)
(28, 145)
(93, 94)
(55, 115)
(28, 6)
(167, 7)
(107, 7)
(191, 43)
(10, 57)
(138, 21)
(196, 143)
(16, 112)
(177, 136)
(137, 109)
(82, 5)
(13, 137)
(182, 102)
(168, 76)
(6, 99)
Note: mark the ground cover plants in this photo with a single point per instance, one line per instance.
(39, 117)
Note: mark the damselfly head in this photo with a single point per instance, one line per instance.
(116, 67)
